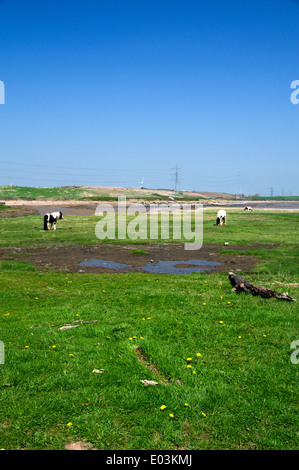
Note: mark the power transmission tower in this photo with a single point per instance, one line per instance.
(239, 177)
(176, 184)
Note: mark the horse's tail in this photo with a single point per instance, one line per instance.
(45, 222)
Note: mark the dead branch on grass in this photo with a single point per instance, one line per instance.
(242, 285)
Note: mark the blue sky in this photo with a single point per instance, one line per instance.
(111, 92)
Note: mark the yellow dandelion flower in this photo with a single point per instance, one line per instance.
(203, 414)
(162, 407)
(194, 372)
(148, 318)
(239, 337)
(134, 337)
(171, 415)
(204, 303)
(264, 336)
(26, 347)
(186, 404)
(71, 355)
(70, 424)
(198, 354)
(130, 339)
(189, 358)
(221, 321)
(189, 366)
(141, 337)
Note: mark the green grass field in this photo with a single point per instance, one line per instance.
(222, 361)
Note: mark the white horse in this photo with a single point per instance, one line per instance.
(52, 219)
(221, 217)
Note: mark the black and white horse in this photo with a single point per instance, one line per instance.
(221, 217)
(52, 219)
(248, 208)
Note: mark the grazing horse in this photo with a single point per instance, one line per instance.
(221, 217)
(247, 208)
(52, 219)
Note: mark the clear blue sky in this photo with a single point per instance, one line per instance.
(110, 92)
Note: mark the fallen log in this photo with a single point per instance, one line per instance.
(242, 285)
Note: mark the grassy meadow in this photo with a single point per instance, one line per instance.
(221, 361)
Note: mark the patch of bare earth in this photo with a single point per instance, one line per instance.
(68, 258)
(79, 445)
(144, 360)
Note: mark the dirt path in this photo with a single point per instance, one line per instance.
(21, 208)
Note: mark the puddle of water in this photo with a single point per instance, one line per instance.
(174, 267)
(102, 263)
(162, 267)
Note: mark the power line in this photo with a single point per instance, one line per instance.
(176, 184)
(71, 168)
(188, 179)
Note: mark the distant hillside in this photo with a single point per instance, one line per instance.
(100, 193)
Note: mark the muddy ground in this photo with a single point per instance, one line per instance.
(68, 258)
(23, 208)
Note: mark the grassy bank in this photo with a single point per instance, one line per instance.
(221, 361)
(65, 193)
(273, 198)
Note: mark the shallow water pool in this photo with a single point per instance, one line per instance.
(161, 267)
